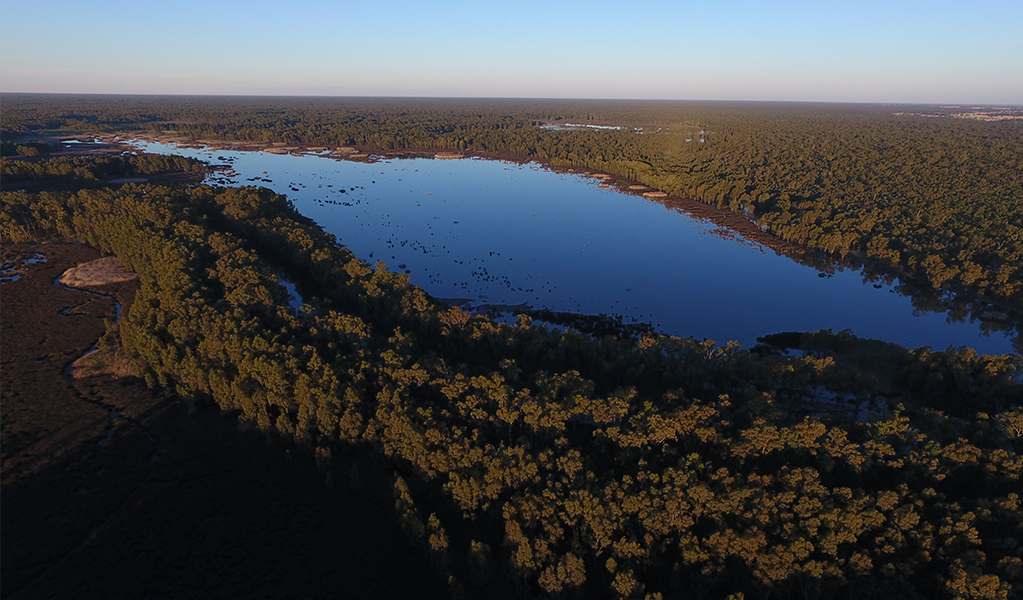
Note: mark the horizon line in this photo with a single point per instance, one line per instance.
(521, 98)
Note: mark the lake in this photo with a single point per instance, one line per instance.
(496, 233)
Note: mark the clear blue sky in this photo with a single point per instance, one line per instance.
(928, 51)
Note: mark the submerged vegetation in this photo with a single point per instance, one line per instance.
(612, 464)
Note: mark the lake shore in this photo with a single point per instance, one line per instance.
(702, 211)
(694, 208)
(734, 227)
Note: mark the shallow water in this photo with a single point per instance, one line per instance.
(508, 234)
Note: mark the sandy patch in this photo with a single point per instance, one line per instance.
(101, 362)
(97, 272)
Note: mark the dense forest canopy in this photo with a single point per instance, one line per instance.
(643, 466)
(94, 170)
(912, 187)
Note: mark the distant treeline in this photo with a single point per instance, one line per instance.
(937, 197)
(569, 464)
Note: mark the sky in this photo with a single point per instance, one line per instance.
(898, 51)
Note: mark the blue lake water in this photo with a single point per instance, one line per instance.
(507, 234)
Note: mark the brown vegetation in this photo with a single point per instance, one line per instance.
(159, 501)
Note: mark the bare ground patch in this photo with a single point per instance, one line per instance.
(102, 271)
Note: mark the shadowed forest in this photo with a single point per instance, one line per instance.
(564, 464)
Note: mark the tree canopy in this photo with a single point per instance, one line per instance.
(613, 466)
(910, 187)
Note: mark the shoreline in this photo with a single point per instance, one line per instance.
(694, 208)
(722, 218)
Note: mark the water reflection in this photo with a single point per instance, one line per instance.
(990, 317)
(496, 234)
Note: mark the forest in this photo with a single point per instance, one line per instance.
(93, 171)
(629, 465)
(911, 188)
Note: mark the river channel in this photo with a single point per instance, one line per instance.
(507, 234)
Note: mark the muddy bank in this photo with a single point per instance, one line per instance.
(179, 501)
